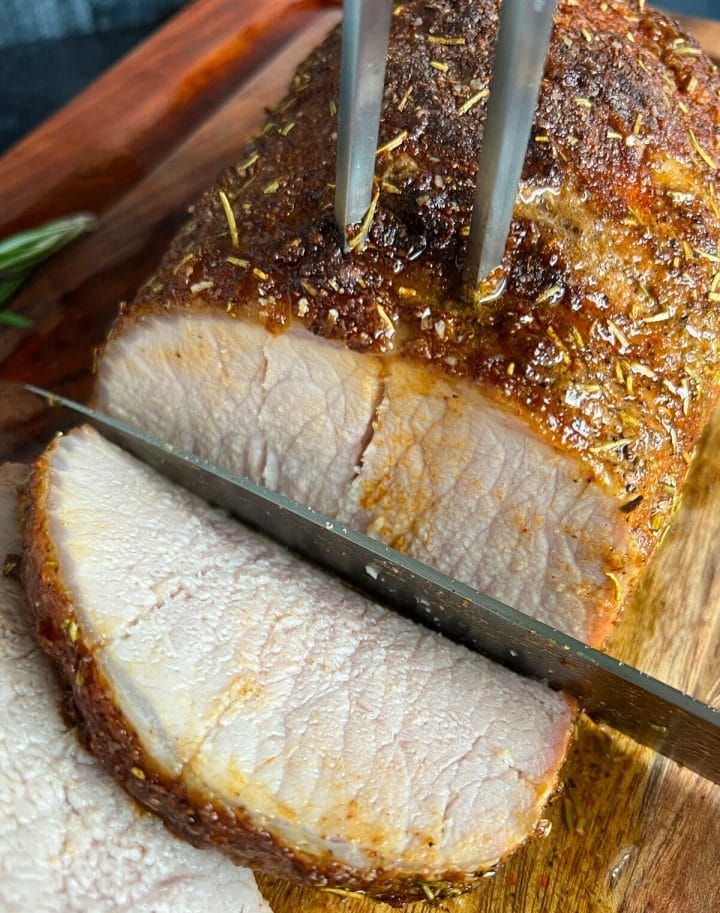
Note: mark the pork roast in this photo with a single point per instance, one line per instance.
(259, 705)
(533, 445)
(70, 840)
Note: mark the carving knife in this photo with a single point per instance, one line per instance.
(365, 37)
(650, 711)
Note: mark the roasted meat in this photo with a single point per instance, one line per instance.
(533, 445)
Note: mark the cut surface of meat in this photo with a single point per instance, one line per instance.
(257, 703)
(70, 840)
(424, 461)
(290, 411)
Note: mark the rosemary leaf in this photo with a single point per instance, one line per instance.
(9, 319)
(20, 252)
(8, 287)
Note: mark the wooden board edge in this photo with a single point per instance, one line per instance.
(103, 141)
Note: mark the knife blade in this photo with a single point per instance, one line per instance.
(650, 711)
(522, 46)
(365, 37)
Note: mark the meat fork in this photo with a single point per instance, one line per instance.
(523, 41)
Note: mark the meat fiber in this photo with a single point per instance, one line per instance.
(70, 840)
(448, 475)
(259, 705)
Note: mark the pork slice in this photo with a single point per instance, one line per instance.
(258, 704)
(70, 840)
(265, 405)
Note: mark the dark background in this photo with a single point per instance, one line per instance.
(50, 49)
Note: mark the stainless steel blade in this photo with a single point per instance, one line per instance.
(648, 710)
(522, 45)
(365, 36)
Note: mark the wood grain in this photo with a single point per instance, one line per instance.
(631, 833)
(108, 138)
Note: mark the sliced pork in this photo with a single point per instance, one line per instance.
(259, 705)
(70, 840)
(533, 443)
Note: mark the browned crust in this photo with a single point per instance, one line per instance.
(201, 820)
(618, 238)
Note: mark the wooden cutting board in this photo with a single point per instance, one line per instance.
(631, 833)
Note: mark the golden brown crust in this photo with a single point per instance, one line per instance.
(605, 338)
(202, 820)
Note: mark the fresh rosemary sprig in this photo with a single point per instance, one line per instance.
(21, 253)
(8, 287)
